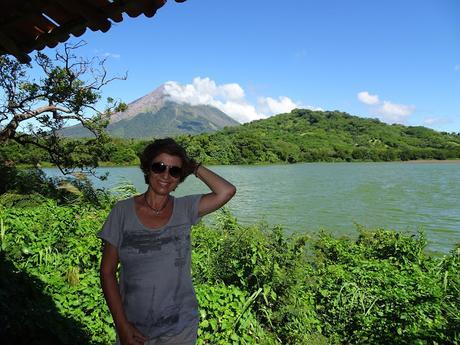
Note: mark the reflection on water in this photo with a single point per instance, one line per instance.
(335, 196)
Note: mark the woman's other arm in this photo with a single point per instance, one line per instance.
(221, 191)
(128, 334)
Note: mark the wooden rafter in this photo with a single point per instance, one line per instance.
(28, 25)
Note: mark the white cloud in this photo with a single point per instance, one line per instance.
(104, 54)
(281, 105)
(232, 91)
(230, 98)
(388, 111)
(367, 98)
(112, 55)
(457, 67)
(394, 112)
(241, 112)
(429, 121)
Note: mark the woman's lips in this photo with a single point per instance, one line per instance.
(163, 183)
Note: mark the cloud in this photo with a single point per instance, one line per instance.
(395, 112)
(229, 98)
(429, 121)
(103, 54)
(457, 68)
(241, 112)
(367, 98)
(281, 105)
(112, 55)
(388, 111)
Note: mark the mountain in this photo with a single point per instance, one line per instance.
(156, 115)
(306, 136)
(171, 119)
(300, 136)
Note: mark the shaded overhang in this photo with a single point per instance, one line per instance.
(29, 25)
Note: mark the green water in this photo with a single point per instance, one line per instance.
(336, 196)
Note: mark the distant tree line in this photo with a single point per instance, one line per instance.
(299, 136)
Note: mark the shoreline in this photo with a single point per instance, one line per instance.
(429, 161)
(417, 161)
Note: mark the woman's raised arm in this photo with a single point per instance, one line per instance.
(221, 191)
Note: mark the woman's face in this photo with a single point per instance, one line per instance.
(163, 183)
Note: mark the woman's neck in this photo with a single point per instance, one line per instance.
(157, 203)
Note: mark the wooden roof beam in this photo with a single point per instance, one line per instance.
(11, 48)
(94, 16)
(134, 8)
(52, 21)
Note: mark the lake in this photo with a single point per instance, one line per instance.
(336, 196)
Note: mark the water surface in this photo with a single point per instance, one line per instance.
(336, 196)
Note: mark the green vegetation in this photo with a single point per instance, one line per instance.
(255, 284)
(308, 136)
(300, 136)
(38, 101)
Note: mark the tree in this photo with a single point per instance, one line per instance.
(68, 89)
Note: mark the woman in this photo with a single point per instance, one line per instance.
(154, 301)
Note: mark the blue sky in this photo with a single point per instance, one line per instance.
(395, 60)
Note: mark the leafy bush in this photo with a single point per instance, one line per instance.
(383, 289)
(30, 187)
(226, 317)
(21, 200)
(57, 246)
(29, 315)
(24, 181)
(255, 284)
(263, 261)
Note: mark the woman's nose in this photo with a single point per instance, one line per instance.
(165, 174)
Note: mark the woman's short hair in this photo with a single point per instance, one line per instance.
(159, 146)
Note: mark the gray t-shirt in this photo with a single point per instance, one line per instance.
(155, 277)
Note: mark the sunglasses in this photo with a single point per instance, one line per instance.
(160, 167)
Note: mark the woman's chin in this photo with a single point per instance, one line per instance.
(162, 190)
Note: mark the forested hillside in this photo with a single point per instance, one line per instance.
(305, 135)
(299, 136)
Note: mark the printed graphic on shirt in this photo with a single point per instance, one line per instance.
(145, 241)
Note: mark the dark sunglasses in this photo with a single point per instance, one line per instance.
(160, 167)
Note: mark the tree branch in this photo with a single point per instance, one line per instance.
(68, 89)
